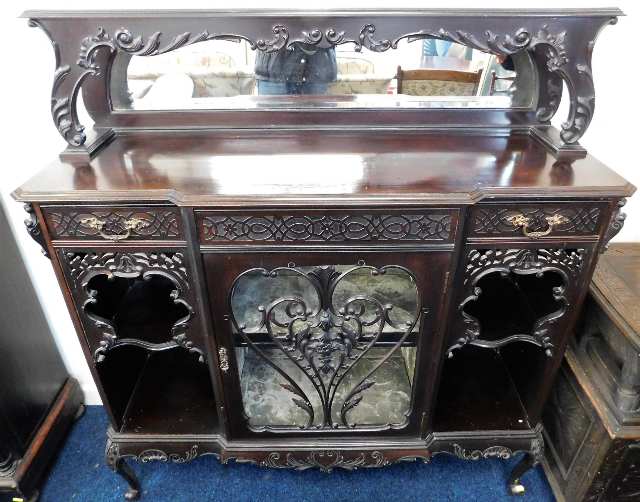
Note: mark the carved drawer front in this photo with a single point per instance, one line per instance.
(113, 223)
(412, 226)
(536, 221)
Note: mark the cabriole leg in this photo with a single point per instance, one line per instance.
(530, 460)
(120, 466)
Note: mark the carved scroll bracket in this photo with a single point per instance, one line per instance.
(615, 224)
(33, 227)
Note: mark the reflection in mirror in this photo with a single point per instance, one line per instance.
(228, 74)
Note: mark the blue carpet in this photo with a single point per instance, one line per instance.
(79, 474)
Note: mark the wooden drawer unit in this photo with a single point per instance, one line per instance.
(537, 220)
(411, 226)
(113, 223)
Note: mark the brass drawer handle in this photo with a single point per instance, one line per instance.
(223, 359)
(97, 224)
(520, 220)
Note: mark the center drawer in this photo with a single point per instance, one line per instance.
(311, 227)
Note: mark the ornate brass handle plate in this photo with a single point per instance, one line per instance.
(223, 359)
(128, 225)
(520, 220)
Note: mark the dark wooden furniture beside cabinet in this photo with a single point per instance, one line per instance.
(592, 420)
(324, 281)
(38, 399)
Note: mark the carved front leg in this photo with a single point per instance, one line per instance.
(530, 460)
(118, 464)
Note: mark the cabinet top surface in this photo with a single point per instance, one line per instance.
(323, 13)
(321, 168)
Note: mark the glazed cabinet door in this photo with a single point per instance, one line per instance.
(326, 342)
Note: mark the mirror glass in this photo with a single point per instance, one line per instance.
(228, 74)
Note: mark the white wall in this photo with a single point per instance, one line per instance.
(29, 139)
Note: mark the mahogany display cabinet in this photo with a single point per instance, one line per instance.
(273, 256)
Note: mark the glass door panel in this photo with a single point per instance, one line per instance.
(326, 347)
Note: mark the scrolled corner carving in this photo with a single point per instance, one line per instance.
(615, 224)
(33, 227)
(156, 455)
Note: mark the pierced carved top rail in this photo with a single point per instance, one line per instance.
(93, 49)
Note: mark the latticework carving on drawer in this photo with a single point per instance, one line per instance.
(492, 221)
(161, 223)
(417, 227)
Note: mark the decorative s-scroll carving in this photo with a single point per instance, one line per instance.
(327, 460)
(325, 342)
(325, 228)
(615, 224)
(82, 267)
(481, 262)
(492, 452)
(33, 227)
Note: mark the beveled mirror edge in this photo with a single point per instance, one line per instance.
(560, 42)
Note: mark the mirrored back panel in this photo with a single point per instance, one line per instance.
(419, 72)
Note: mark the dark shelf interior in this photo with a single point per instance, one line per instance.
(137, 308)
(477, 393)
(511, 304)
(171, 391)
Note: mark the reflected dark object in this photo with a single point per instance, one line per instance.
(299, 69)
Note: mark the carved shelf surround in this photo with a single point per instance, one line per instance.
(83, 266)
(481, 262)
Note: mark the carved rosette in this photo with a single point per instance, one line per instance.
(558, 57)
(481, 262)
(81, 267)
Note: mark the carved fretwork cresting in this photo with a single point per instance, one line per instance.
(33, 227)
(559, 54)
(81, 267)
(566, 263)
(325, 342)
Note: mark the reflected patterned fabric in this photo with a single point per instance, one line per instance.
(437, 88)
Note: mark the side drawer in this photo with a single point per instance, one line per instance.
(538, 220)
(293, 227)
(113, 223)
